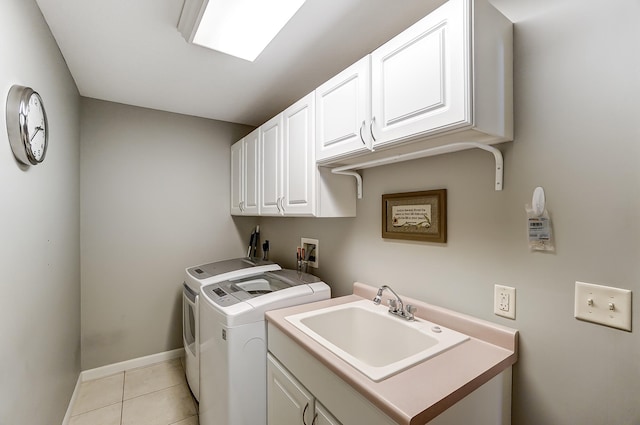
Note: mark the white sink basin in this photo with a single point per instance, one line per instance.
(373, 341)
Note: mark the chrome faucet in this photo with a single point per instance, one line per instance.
(396, 306)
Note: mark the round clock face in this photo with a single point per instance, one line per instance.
(36, 127)
(26, 125)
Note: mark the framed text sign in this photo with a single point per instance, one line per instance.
(418, 216)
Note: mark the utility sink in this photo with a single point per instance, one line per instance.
(372, 340)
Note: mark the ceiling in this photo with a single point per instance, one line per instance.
(130, 51)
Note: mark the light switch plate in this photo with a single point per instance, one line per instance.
(604, 305)
(504, 301)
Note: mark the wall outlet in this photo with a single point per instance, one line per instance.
(504, 301)
(311, 251)
(603, 304)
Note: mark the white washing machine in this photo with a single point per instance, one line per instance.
(233, 346)
(195, 278)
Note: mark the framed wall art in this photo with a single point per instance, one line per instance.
(417, 216)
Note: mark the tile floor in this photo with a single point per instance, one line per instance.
(151, 395)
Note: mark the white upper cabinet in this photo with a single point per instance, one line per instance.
(271, 166)
(421, 78)
(291, 184)
(237, 177)
(251, 169)
(446, 79)
(298, 158)
(343, 110)
(274, 171)
(244, 175)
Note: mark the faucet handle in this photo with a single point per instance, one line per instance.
(393, 305)
(411, 309)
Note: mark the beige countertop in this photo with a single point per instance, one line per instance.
(422, 392)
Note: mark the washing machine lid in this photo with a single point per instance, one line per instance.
(254, 286)
(205, 274)
(260, 289)
(245, 300)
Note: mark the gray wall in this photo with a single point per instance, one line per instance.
(39, 231)
(155, 200)
(577, 100)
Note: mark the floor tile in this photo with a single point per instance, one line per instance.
(162, 407)
(152, 378)
(109, 415)
(98, 393)
(193, 420)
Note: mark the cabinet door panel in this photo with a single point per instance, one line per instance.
(324, 417)
(414, 79)
(270, 186)
(421, 81)
(298, 157)
(237, 180)
(287, 399)
(251, 173)
(343, 109)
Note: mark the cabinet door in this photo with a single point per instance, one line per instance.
(343, 111)
(271, 165)
(421, 80)
(237, 180)
(324, 417)
(287, 399)
(299, 166)
(251, 173)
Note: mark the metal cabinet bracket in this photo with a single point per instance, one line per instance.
(349, 170)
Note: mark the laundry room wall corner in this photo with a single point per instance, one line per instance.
(154, 200)
(39, 230)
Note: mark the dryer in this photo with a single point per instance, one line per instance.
(195, 278)
(233, 346)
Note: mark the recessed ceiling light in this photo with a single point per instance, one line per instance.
(242, 28)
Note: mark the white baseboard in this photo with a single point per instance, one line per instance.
(67, 416)
(103, 371)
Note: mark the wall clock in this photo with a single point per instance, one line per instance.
(27, 125)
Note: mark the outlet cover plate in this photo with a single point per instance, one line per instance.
(604, 305)
(504, 301)
(311, 251)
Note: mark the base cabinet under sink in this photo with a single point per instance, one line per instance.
(289, 402)
(302, 391)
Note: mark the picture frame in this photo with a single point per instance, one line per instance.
(416, 216)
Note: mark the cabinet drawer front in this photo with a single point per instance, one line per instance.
(421, 78)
